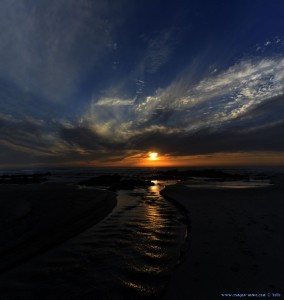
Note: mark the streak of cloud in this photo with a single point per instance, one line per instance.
(46, 46)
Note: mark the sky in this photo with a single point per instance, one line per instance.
(103, 83)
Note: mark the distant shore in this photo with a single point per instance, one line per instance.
(236, 242)
(35, 217)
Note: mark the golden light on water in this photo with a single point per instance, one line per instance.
(154, 188)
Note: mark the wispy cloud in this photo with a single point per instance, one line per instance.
(227, 106)
(46, 47)
(218, 98)
(114, 102)
(238, 109)
(160, 46)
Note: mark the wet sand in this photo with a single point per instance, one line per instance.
(128, 255)
(35, 217)
(236, 242)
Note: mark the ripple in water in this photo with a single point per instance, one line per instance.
(128, 255)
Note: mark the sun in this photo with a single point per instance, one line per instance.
(153, 155)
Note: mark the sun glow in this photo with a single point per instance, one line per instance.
(143, 159)
(153, 156)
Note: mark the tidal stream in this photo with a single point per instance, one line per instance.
(130, 254)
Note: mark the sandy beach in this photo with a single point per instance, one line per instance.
(236, 243)
(35, 217)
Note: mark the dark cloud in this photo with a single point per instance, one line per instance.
(24, 136)
(210, 141)
(26, 140)
(271, 109)
(90, 141)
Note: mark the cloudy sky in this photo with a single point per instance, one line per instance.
(97, 82)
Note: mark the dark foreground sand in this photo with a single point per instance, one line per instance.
(236, 243)
(35, 217)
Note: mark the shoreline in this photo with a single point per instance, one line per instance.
(235, 242)
(186, 221)
(56, 213)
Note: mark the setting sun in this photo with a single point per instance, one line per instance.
(153, 155)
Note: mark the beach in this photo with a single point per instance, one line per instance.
(236, 243)
(130, 254)
(234, 246)
(36, 217)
